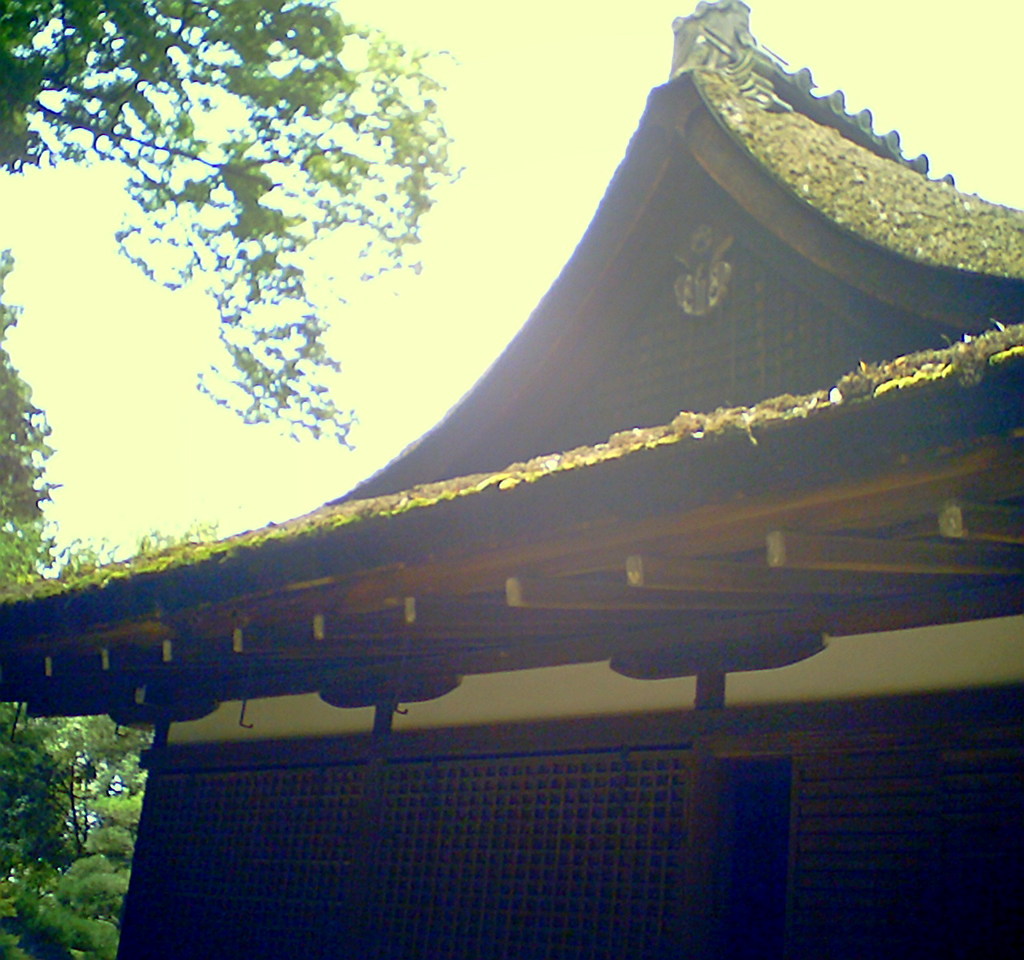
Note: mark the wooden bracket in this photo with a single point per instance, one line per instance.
(696, 657)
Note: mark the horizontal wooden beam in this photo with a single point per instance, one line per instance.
(976, 599)
(564, 594)
(485, 638)
(976, 521)
(131, 635)
(804, 551)
(653, 572)
(716, 528)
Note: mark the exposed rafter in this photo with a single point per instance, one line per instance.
(803, 551)
(566, 594)
(982, 521)
(652, 572)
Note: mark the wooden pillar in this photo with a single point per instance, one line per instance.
(703, 879)
(363, 921)
(383, 717)
(710, 690)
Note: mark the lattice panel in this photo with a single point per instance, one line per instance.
(244, 864)
(865, 860)
(767, 337)
(571, 856)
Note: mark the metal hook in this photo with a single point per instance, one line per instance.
(241, 717)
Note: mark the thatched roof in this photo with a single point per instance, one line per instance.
(883, 201)
(961, 365)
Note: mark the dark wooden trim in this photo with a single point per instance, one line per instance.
(710, 690)
(702, 852)
(773, 728)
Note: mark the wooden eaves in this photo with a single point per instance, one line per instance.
(724, 541)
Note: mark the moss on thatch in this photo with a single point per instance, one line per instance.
(964, 362)
(878, 199)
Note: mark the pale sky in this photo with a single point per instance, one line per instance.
(542, 102)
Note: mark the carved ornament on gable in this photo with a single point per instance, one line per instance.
(705, 283)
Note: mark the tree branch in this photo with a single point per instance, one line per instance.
(57, 115)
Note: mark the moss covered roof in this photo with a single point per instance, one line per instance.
(885, 202)
(964, 362)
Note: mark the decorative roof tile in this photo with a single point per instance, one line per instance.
(717, 37)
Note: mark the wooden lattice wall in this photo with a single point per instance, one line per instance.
(555, 856)
(905, 841)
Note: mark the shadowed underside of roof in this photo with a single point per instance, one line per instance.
(891, 499)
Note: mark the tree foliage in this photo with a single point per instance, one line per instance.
(71, 793)
(70, 797)
(24, 546)
(249, 128)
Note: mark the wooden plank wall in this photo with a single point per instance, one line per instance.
(908, 853)
(982, 880)
(864, 856)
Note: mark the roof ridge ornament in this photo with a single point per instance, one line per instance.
(716, 36)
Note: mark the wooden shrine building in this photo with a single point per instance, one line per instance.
(745, 680)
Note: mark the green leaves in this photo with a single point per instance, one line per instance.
(249, 129)
(70, 798)
(24, 546)
(32, 840)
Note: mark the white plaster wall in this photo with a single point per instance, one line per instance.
(950, 657)
(929, 658)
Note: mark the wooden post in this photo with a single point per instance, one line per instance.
(710, 690)
(359, 921)
(383, 717)
(703, 879)
(161, 733)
